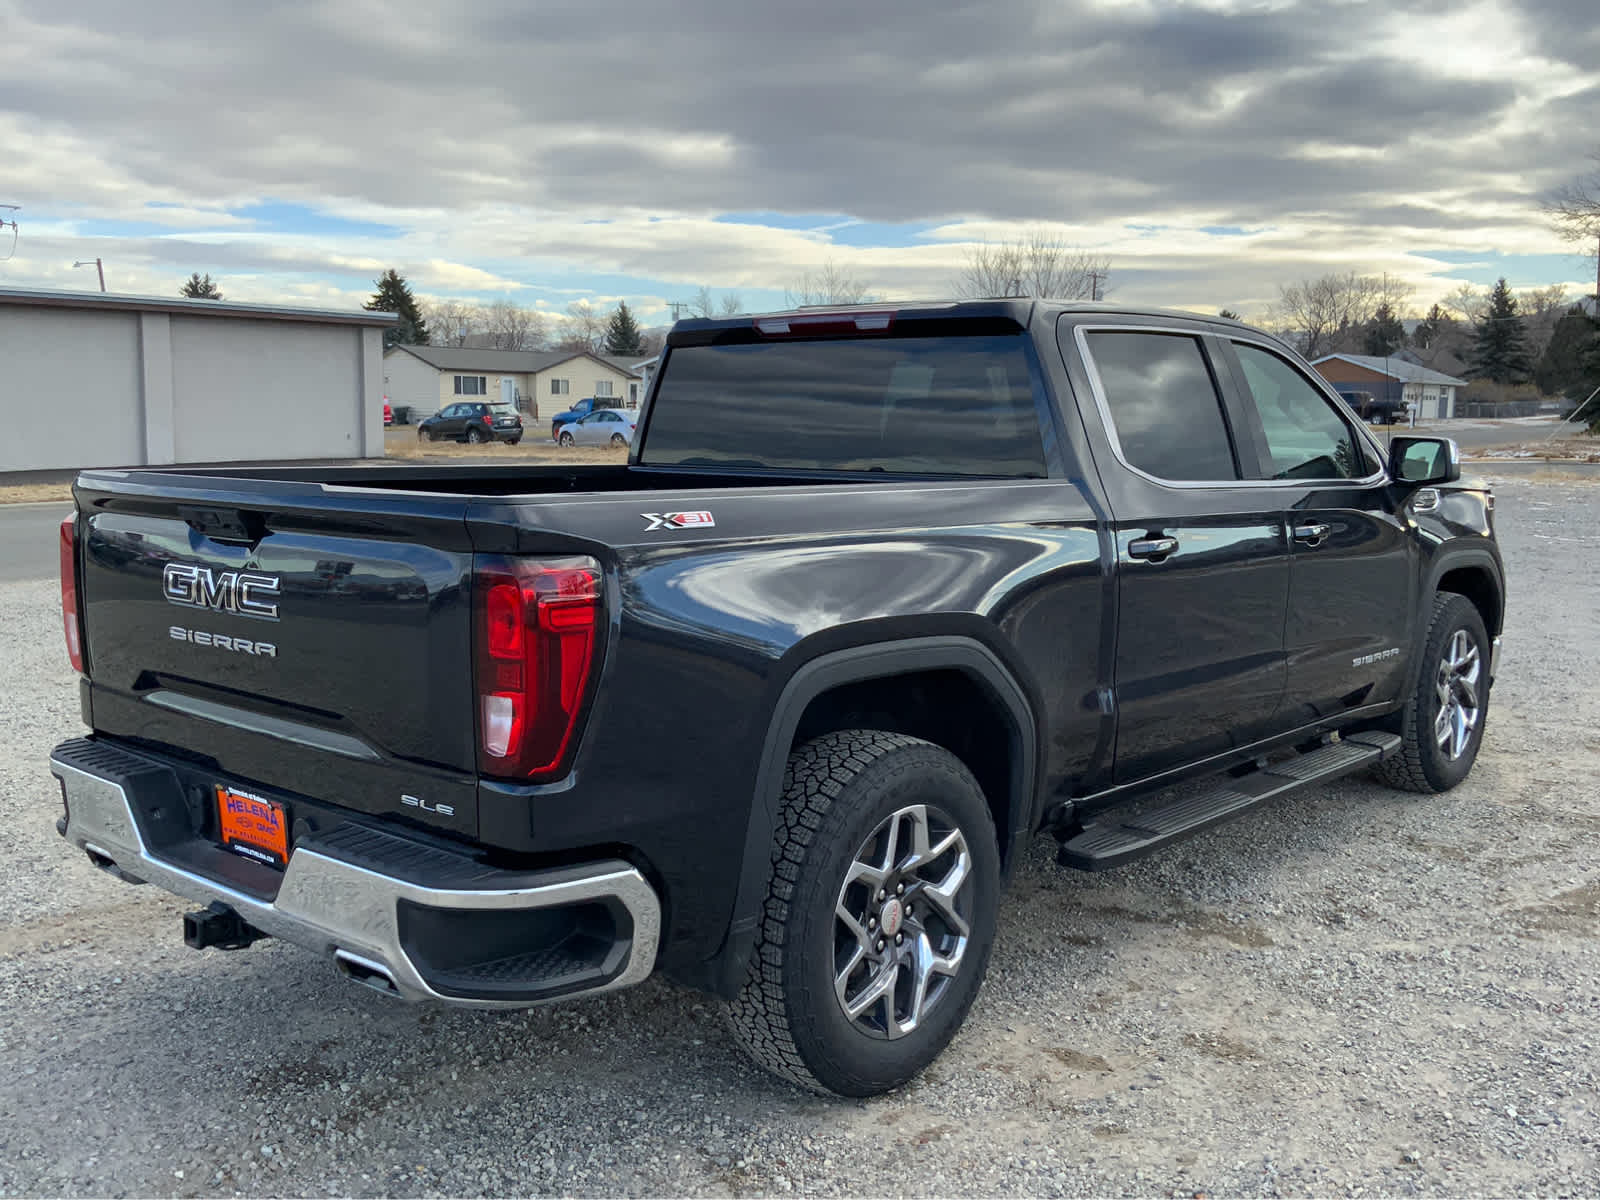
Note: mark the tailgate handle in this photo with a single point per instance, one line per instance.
(225, 524)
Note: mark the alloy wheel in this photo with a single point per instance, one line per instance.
(1456, 686)
(902, 921)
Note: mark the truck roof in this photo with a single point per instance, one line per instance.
(1018, 309)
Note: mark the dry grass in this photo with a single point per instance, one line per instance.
(1581, 448)
(34, 493)
(530, 451)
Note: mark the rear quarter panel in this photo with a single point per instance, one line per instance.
(708, 625)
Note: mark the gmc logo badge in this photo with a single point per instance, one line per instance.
(241, 593)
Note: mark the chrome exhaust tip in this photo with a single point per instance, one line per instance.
(366, 972)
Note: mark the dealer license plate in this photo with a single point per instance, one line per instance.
(253, 826)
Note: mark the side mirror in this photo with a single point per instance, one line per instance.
(1419, 461)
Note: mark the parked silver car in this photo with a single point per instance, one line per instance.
(606, 426)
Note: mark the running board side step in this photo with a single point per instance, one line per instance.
(1099, 847)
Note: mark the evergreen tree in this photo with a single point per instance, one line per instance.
(1561, 371)
(1589, 409)
(1500, 348)
(1386, 334)
(394, 296)
(622, 332)
(1429, 328)
(198, 288)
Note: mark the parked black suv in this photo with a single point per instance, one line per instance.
(879, 595)
(472, 421)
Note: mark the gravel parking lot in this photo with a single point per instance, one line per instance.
(1357, 990)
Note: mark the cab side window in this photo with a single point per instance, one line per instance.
(1163, 405)
(1306, 438)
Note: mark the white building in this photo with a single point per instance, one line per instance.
(95, 380)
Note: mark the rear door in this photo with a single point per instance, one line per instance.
(1353, 571)
(1202, 554)
(267, 632)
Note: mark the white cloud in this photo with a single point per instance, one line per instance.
(581, 147)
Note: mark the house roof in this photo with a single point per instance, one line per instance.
(1434, 358)
(515, 362)
(1394, 368)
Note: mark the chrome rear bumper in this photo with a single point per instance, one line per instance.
(353, 912)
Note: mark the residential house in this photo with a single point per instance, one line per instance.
(646, 370)
(1432, 393)
(539, 382)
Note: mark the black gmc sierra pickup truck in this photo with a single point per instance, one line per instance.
(774, 707)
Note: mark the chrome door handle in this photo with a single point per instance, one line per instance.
(1152, 548)
(1312, 534)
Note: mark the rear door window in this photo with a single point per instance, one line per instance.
(953, 405)
(1163, 405)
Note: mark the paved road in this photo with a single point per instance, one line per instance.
(28, 545)
(1480, 434)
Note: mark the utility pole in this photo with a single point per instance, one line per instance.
(1094, 285)
(677, 307)
(13, 209)
(99, 269)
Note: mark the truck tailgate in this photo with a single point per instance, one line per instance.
(287, 635)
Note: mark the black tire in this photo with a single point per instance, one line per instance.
(565, 439)
(474, 436)
(424, 435)
(1423, 764)
(618, 440)
(840, 791)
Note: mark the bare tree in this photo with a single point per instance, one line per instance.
(1468, 303)
(1332, 314)
(513, 327)
(1039, 264)
(451, 322)
(584, 327)
(1541, 309)
(1574, 210)
(832, 284)
(705, 304)
(702, 303)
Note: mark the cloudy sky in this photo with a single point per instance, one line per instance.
(553, 149)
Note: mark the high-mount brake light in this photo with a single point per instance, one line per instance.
(803, 324)
(536, 631)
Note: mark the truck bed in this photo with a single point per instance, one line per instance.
(478, 479)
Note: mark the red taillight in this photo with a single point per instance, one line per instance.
(69, 592)
(538, 624)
